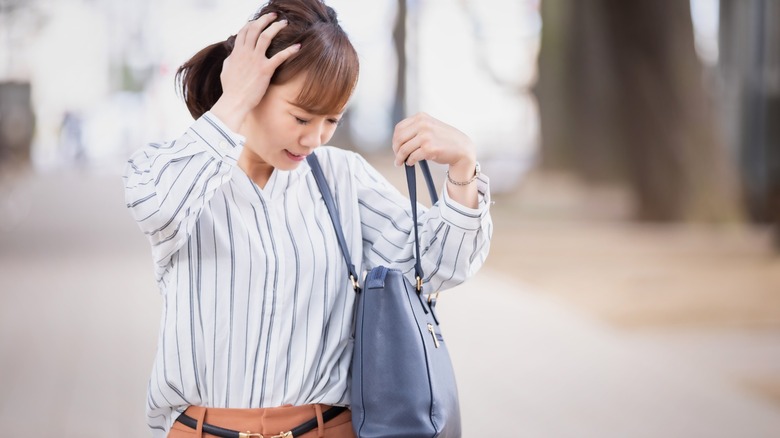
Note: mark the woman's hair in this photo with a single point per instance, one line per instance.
(326, 57)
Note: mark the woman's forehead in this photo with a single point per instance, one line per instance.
(291, 89)
(291, 92)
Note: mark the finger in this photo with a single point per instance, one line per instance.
(405, 130)
(284, 55)
(264, 40)
(406, 149)
(411, 126)
(241, 35)
(415, 157)
(256, 27)
(420, 119)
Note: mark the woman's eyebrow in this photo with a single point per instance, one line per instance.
(297, 106)
(339, 115)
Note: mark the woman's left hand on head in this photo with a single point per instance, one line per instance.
(422, 137)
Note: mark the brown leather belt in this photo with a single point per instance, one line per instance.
(296, 431)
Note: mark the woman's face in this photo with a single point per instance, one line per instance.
(280, 133)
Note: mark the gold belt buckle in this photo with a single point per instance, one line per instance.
(287, 434)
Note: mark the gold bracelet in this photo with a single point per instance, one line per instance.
(464, 183)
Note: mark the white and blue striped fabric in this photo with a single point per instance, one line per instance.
(257, 303)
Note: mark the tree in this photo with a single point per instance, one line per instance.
(750, 92)
(622, 100)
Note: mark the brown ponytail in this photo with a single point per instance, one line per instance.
(326, 56)
(198, 78)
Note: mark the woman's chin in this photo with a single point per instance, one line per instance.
(288, 165)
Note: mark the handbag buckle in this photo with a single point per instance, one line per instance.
(355, 286)
(419, 284)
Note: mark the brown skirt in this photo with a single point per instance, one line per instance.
(266, 421)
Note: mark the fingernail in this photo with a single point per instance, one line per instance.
(296, 47)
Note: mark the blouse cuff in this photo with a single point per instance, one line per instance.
(222, 143)
(464, 217)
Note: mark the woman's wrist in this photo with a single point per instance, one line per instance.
(229, 112)
(463, 171)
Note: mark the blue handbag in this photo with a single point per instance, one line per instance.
(402, 380)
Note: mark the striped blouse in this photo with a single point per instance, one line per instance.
(257, 303)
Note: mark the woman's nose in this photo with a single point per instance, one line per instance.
(316, 134)
(312, 136)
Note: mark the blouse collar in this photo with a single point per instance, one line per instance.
(277, 184)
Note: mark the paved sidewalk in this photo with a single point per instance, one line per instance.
(79, 317)
(532, 366)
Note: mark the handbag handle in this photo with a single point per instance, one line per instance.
(411, 180)
(411, 183)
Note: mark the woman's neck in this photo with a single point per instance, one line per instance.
(256, 169)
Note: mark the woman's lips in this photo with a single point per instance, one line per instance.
(294, 157)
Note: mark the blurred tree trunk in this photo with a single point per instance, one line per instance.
(622, 100)
(17, 123)
(749, 69)
(399, 43)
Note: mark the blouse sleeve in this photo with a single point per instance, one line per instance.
(454, 239)
(167, 185)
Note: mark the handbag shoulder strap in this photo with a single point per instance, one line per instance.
(322, 184)
(319, 177)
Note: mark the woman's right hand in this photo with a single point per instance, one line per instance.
(246, 72)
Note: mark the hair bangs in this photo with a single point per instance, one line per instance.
(331, 76)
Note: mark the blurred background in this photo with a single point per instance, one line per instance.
(633, 285)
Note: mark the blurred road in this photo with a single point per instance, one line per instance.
(79, 315)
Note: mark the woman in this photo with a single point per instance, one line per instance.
(257, 316)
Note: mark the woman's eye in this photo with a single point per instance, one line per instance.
(336, 122)
(301, 121)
